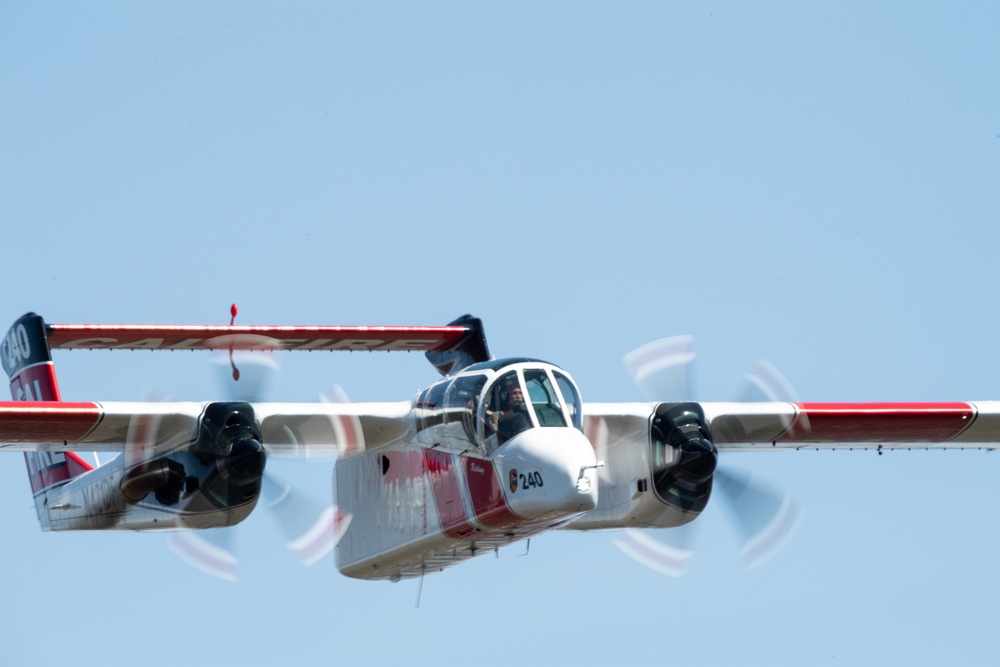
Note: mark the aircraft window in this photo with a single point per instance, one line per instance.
(461, 404)
(505, 411)
(430, 405)
(544, 398)
(572, 398)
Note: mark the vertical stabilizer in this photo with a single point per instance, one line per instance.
(470, 349)
(28, 362)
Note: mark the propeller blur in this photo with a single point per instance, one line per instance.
(765, 521)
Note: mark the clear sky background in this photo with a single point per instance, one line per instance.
(818, 186)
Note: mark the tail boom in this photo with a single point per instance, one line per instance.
(27, 360)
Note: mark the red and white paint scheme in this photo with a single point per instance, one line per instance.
(494, 452)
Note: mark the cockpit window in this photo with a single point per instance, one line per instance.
(461, 403)
(544, 398)
(526, 398)
(506, 411)
(572, 398)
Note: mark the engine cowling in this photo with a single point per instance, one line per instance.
(217, 476)
(683, 456)
(229, 446)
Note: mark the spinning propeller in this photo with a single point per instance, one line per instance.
(766, 520)
(310, 531)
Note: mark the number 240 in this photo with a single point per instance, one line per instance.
(532, 479)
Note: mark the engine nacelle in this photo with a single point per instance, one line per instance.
(213, 481)
(682, 456)
(659, 466)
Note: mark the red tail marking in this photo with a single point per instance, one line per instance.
(48, 468)
(36, 383)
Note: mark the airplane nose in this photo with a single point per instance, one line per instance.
(549, 472)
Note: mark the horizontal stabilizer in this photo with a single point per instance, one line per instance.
(237, 337)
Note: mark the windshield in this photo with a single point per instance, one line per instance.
(528, 398)
(483, 410)
(544, 399)
(574, 406)
(506, 412)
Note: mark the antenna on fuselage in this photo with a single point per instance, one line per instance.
(420, 585)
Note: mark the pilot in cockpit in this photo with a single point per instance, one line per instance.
(514, 418)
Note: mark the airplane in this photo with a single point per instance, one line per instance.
(494, 452)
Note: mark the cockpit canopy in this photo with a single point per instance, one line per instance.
(490, 402)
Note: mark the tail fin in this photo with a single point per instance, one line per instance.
(28, 362)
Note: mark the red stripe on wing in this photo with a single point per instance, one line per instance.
(46, 421)
(879, 422)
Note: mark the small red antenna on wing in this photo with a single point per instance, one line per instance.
(233, 310)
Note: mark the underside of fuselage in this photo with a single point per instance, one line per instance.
(417, 510)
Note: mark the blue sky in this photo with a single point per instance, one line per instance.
(813, 185)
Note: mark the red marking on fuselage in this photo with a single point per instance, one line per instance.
(440, 468)
(879, 422)
(484, 489)
(400, 466)
(487, 496)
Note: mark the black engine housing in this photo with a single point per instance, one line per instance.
(683, 456)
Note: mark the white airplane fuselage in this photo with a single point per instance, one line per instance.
(457, 485)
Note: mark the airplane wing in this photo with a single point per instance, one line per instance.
(771, 426)
(58, 426)
(756, 426)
